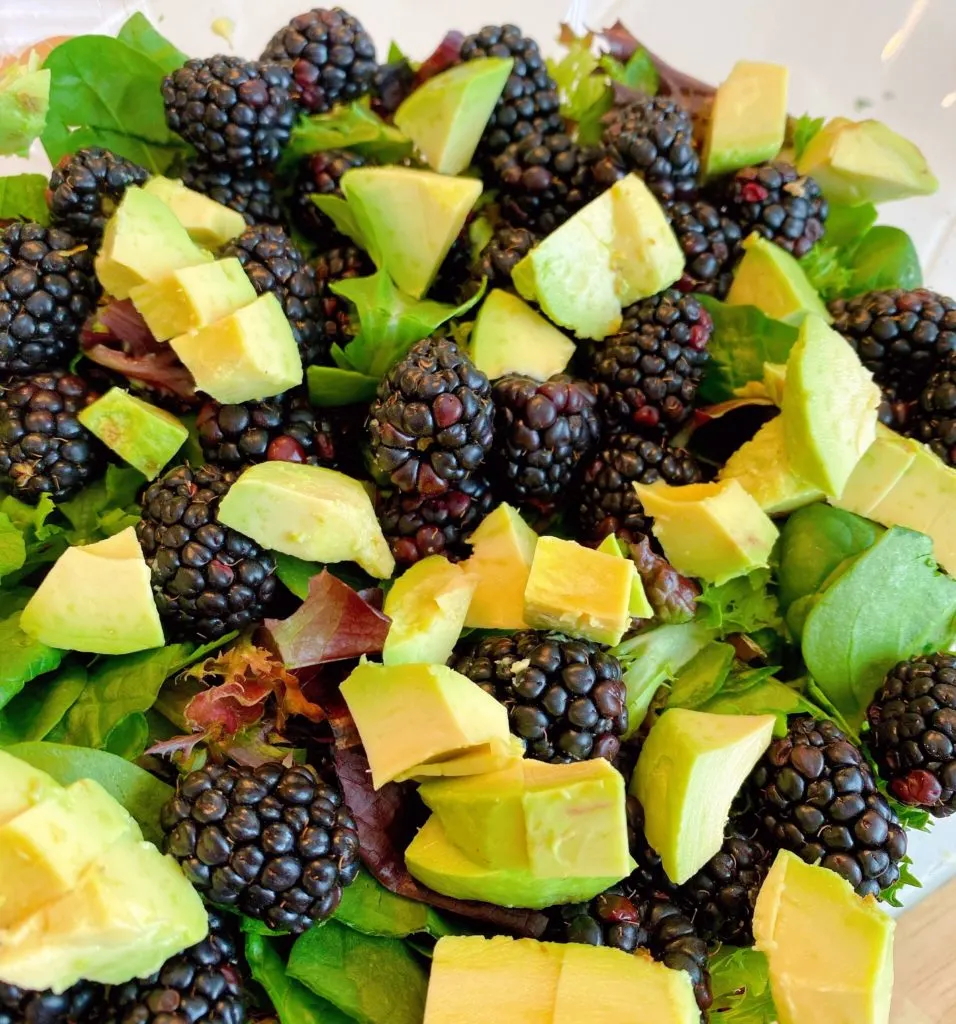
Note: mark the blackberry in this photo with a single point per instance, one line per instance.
(331, 55)
(339, 264)
(274, 263)
(416, 527)
(710, 243)
(508, 246)
(913, 732)
(529, 102)
(277, 843)
(47, 290)
(321, 174)
(430, 425)
(654, 137)
(935, 420)
(202, 985)
(647, 375)
(44, 449)
(81, 1004)
(566, 699)
(86, 187)
(207, 579)
(454, 283)
(814, 793)
(542, 432)
(235, 112)
(607, 502)
(779, 203)
(252, 193)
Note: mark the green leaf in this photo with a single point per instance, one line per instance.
(371, 909)
(295, 573)
(740, 979)
(106, 506)
(138, 33)
(584, 89)
(804, 130)
(741, 605)
(639, 73)
(770, 697)
(891, 895)
(826, 269)
(40, 707)
(23, 657)
(24, 101)
(332, 386)
(13, 547)
(847, 225)
(293, 1002)
(23, 197)
(352, 127)
(744, 339)
(885, 258)
(702, 677)
(142, 794)
(374, 980)
(341, 215)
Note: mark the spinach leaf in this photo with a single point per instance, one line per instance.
(105, 507)
(23, 197)
(294, 1003)
(23, 657)
(371, 909)
(13, 547)
(885, 258)
(333, 386)
(702, 677)
(40, 707)
(847, 225)
(296, 573)
(43, 541)
(138, 33)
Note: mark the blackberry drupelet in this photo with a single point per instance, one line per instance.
(277, 843)
(237, 113)
(207, 579)
(202, 985)
(710, 243)
(47, 290)
(566, 699)
(431, 424)
(81, 1004)
(44, 449)
(321, 174)
(86, 187)
(274, 263)
(654, 137)
(647, 375)
(542, 431)
(340, 264)
(934, 420)
(913, 732)
(607, 502)
(814, 793)
(454, 282)
(252, 193)
(507, 248)
(331, 55)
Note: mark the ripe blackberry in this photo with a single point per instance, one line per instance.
(566, 699)
(274, 263)
(81, 1004)
(331, 55)
(416, 527)
(430, 425)
(252, 193)
(236, 113)
(529, 102)
(321, 174)
(934, 422)
(814, 793)
(507, 248)
(654, 137)
(278, 843)
(207, 579)
(47, 290)
(44, 449)
(648, 373)
(86, 187)
(711, 245)
(340, 264)
(779, 203)
(542, 432)
(202, 985)
(913, 732)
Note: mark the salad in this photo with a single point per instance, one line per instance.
(474, 538)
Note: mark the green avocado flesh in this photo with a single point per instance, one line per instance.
(208, 223)
(769, 278)
(23, 786)
(502, 552)
(639, 607)
(24, 104)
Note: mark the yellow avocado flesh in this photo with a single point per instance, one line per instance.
(427, 605)
(579, 591)
(715, 531)
(310, 512)
(208, 223)
(193, 297)
(510, 337)
(410, 715)
(503, 549)
(97, 599)
(769, 278)
(44, 850)
(130, 912)
(690, 769)
(23, 786)
(415, 216)
(488, 757)
(143, 242)
(246, 356)
(830, 952)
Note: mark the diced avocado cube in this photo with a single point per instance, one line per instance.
(208, 223)
(510, 337)
(23, 786)
(503, 548)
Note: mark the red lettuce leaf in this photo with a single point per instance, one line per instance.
(447, 54)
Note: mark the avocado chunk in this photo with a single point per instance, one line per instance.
(579, 591)
(714, 531)
(244, 357)
(639, 607)
(447, 115)
(98, 599)
(23, 786)
(313, 513)
(193, 297)
(414, 216)
(858, 162)
(208, 223)
(691, 768)
(510, 337)
(141, 434)
(769, 278)
(500, 563)
(24, 104)
(618, 249)
(830, 404)
(484, 759)
(44, 850)
(131, 911)
(414, 715)
(143, 242)
(427, 605)
(748, 120)
(830, 953)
